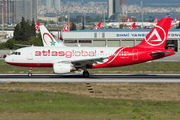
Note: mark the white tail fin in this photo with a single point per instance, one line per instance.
(66, 27)
(98, 26)
(48, 39)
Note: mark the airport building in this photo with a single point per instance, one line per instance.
(115, 37)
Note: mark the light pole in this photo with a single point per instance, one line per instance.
(142, 5)
(84, 18)
(69, 16)
(3, 17)
(104, 15)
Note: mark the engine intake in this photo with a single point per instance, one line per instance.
(62, 68)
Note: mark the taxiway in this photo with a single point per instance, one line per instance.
(119, 78)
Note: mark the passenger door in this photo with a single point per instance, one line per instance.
(30, 54)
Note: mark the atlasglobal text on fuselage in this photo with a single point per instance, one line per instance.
(67, 59)
(67, 54)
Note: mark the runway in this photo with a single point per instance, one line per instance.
(94, 78)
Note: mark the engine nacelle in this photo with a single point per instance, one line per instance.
(62, 68)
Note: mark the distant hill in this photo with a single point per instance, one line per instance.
(150, 3)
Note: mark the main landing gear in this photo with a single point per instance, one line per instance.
(30, 72)
(86, 74)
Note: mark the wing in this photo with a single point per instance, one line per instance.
(85, 61)
(22, 45)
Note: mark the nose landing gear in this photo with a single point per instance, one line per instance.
(30, 72)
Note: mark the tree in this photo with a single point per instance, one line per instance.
(24, 31)
(33, 29)
(73, 26)
(16, 32)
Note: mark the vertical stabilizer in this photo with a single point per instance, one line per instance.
(132, 26)
(47, 38)
(175, 20)
(98, 26)
(128, 20)
(66, 27)
(156, 20)
(157, 36)
(37, 26)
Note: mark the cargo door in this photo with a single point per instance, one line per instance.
(135, 54)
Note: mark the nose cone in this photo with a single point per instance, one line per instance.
(7, 59)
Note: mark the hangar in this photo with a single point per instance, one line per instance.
(115, 37)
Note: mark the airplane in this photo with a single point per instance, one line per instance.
(98, 26)
(116, 24)
(129, 22)
(174, 22)
(145, 24)
(132, 26)
(66, 59)
(149, 24)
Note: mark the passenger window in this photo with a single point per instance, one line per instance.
(19, 53)
(15, 53)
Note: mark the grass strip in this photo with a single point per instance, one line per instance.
(24, 102)
(71, 101)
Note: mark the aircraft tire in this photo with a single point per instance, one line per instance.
(86, 74)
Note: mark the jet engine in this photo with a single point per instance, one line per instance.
(62, 68)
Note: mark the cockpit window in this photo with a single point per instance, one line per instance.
(16, 53)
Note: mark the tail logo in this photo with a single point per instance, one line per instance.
(156, 37)
(97, 27)
(48, 35)
(66, 28)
